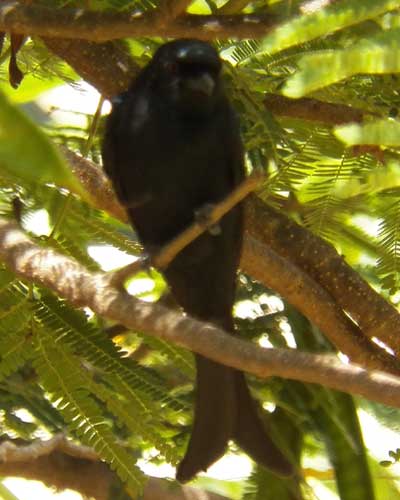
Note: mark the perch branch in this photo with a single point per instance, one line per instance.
(165, 256)
(168, 252)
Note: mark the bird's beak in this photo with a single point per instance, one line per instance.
(202, 84)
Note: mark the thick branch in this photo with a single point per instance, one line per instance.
(280, 273)
(374, 315)
(100, 26)
(312, 300)
(81, 288)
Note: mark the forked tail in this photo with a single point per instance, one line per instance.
(225, 410)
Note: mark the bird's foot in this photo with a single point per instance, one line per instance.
(203, 217)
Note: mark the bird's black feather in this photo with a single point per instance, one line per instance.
(172, 146)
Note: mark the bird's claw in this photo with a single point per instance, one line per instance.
(203, 217)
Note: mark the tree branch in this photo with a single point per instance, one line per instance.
(82, 288)
(374, 315)
(111, 77)
(168, 252)
(312, 300)
(310, 109)
(264, 258)
(60, 463)
(100, 26)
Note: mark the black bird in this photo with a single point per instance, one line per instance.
(171, 147)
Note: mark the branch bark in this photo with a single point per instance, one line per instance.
(61, 464)
(100, 26)
(372, 313)
(82, 288)
(307, 108)
(277, 264)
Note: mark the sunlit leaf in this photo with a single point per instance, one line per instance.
(380, 132)
(26, 152)
(337, 15)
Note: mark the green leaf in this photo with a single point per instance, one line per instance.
(29, 89)
(336, 16)
(61, 374)
(380, 132)
(6, 494)
(378, 55)
(26, 152)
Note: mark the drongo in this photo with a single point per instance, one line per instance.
(172, 147)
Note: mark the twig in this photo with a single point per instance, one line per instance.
(169, 252)
(82, 288)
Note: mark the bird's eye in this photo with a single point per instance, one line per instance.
(172, 67)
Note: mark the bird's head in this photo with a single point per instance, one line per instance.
(185, 73)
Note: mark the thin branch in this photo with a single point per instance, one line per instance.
(169, 252)
(100, 26)
(82, 288)
(310, 109)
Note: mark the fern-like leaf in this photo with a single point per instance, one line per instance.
(60, 374)
(335, 16)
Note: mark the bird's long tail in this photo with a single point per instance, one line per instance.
(225, 410)
(214, 418)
